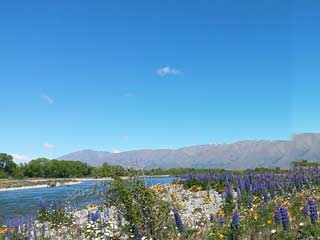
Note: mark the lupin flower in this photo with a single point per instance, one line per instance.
(277, 216)
(95, 216)
(235, 219)
(238, 194)
(305, 210)
(16, 224)
(178, 220)
(8, 231)
(212, 218)
(222, 220)
(43, 206)
(137, 233)
(313, 208)
(43, 230)
(284, 217)
(229, 193)
(265, 194)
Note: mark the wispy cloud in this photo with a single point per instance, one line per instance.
(167, 70)
(18, 158)
(47, 98)
(48, 145)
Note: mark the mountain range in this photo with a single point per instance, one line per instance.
(237, 155)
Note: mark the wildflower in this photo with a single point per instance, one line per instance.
(313, 207)
(222, 220)
(212, 218)
(284, 217)
(273, 231)
(178, 220)
(269, 222)
(221, 236)
(8, 230)
(229, 193)
(235, 218)
(137, 233)
(43, 230)
(277, 216)
(305, 210)
(265, 194)
(301, 224)
(238, 194)
(93, 217)
(43, 206)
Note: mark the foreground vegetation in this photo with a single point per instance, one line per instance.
(204, 206)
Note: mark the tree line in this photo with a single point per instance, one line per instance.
(46, 168)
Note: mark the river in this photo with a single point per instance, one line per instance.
(26, 202)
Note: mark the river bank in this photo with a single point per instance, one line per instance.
(11, 185)
(26, 202)
(15, 184)
(95, 221)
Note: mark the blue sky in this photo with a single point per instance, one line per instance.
(123, 75)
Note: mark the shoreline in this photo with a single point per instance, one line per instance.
(59, 184)
(45, 182)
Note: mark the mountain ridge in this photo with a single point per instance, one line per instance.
(237, 155)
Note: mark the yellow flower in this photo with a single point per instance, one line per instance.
(3, 230)
(269, 222)
(255, 199)
(199, 232)
(90, 206)
(209, 229)
(195, 188)
(286, 204)
(221, 236)
(207, 199)
(220, 212)
(256, 218)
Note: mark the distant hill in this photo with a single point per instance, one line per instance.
(238, 155)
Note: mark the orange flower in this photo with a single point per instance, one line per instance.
(195, 188)
(286, 204)
(3, 229)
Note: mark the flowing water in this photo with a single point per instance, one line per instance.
(25, 202)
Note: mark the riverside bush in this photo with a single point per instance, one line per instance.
(140, 207)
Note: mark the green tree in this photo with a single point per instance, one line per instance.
(7, 164)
